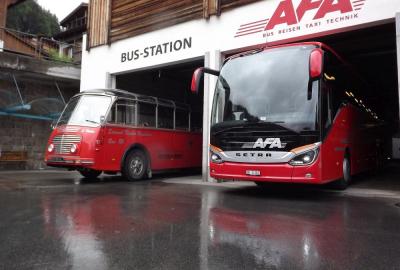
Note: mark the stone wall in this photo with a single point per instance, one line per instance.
(20, 131)
(18, 134)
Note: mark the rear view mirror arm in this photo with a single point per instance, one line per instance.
(198, 75)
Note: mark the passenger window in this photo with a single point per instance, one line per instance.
(146, 115)
(123, 112)
(336, 78)
(181, 119)
(196, 121)
(165, 117)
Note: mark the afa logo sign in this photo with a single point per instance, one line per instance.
(289, 14)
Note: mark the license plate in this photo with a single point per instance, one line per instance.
(57, 159)
(253, 173)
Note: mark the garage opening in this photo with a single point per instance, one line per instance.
(171, 82)
(373, 53)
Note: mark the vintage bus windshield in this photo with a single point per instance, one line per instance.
(86, 110)
(271, 89)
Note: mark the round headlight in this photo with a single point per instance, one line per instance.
(50, 148)
(74, 147)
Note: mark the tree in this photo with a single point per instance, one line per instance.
(31, 18)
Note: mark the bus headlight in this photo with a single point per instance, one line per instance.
(214, 154)
(50, 148)
(306, 156)
(215, 158)
(74, 148)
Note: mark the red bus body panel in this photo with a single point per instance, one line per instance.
(351, 132)
(105, 147)
(348, 133)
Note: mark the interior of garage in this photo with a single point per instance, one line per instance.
(169, 82)
(372, 51)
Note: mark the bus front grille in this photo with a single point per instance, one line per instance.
(63, 143)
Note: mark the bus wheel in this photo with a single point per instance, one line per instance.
(89, 173)
(135, 167)
(343, 183)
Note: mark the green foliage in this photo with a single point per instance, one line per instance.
(31, 18)
(54, 55)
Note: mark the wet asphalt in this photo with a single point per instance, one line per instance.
(57, 220)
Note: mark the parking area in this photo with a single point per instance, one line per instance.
(57, 220)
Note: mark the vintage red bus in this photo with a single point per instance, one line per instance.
(293, 113)
(115, 131)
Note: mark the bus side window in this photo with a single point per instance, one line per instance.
(326, 114)
(130, 110)
(123, 113)
(336, 80)
(196, 121)
(165, 117)
(146, 115)
(181, 119)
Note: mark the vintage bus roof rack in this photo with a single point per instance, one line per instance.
(139, 98)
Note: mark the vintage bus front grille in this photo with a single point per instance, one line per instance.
(63, 143)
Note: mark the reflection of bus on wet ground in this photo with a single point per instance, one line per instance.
(95, 230)
(115, 131)
(329, 236)
(295, 113)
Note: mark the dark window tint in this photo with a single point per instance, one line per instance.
(181, 119)
(272, 88)
(196, 121)
(165, 117)
(146, 115)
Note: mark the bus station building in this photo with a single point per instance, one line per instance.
(153, 47)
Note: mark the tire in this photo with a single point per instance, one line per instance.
(344, 182)
(89, 173)
(135, 166)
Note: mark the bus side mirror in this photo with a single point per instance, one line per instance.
(198, 75)
(102, 119)
(196, 78)
(316, 64)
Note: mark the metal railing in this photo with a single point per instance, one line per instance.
(38, 46)
(77, 23)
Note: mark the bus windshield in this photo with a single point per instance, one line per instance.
(267, 87)
(86, 110)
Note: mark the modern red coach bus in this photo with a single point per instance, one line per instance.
(115, 131)
(292, 113)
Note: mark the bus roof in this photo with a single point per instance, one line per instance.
(266, 47)
(134, 96)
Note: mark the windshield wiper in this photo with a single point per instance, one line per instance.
(266, 122)
(91, 121)
(253, 123)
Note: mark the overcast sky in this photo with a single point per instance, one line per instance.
(60, 8)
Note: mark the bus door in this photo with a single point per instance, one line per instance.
(119, 132)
